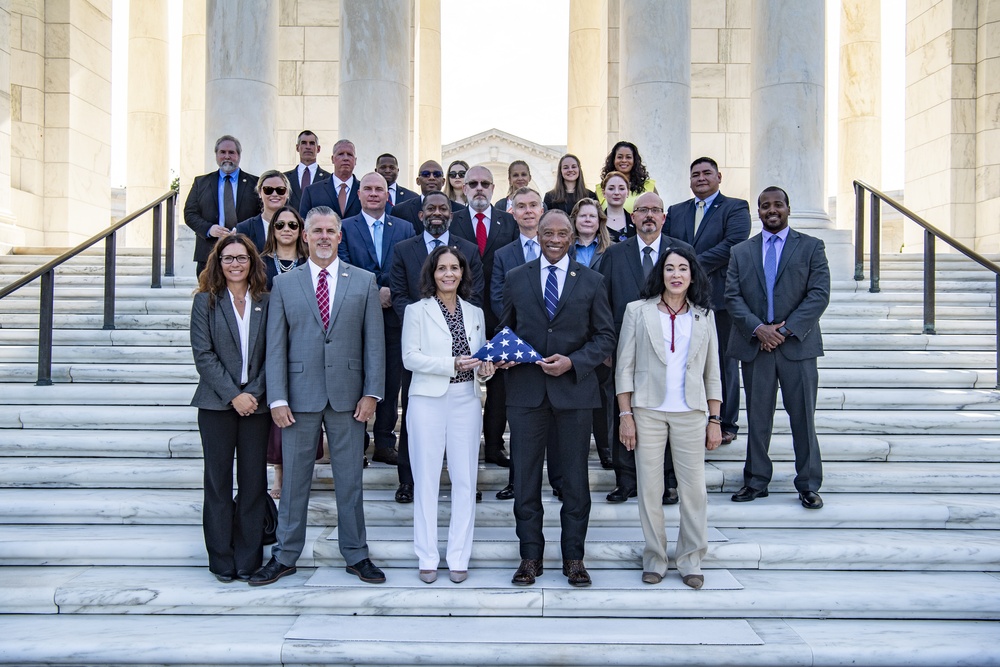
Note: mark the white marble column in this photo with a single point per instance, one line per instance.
(241, 79)
(860, 103)
(988, 128)
(10, 235)
(148, 161)
(193, 158)
(427, 96)
(374, 82)
(587, 122)
(655, 94)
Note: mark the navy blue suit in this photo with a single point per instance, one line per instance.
(295, 196)
(409, 209)
(254, 228)
(402, 195)
(324, 193)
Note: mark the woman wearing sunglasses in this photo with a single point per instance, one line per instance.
(273, 190)
(454, 186)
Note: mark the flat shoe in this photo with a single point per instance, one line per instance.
(695, 581)
(428, 576)
(458, 576)
(651, 578)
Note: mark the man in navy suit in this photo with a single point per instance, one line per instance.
(430, 178)
(387, 165)
(220, 199)
(340, 191)
(404, 283)
(369, 240)
(777, 287)
(560, 308)
(713, 223)
(308, 148)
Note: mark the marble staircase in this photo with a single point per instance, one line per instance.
(104, 564)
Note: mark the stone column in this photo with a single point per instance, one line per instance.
(860, 103)
(655, 97)
(241, 79)
(374, 82)
(427, 96)
(192, 134)
(148, 161)
(10, 235)
(587, 100)
(988, 128)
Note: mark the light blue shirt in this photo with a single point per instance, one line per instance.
(585, 253)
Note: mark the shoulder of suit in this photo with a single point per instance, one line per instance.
(246, 176)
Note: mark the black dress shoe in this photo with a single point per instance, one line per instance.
(365, 462)
(404, 494)
(479, 496)
(506, 493)
(557, 493)
(526, 572)
(576, 573)
(746, 494)
(498, 458)
(366, 571)
(270, 573)
(386, 455)
(810, 500)
(225, 577)
(620, 494)
(607, 464)
(670, 497)
(243, 575)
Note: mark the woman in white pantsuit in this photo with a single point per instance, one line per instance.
(667, 374)
(440, 332)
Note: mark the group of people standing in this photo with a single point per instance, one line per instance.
(323, 297)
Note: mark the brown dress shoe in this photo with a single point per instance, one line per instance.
(576, 573)
(651, 578)
(695, 581)
(728, 437)
(526, 572)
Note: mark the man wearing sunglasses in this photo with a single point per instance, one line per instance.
(387, 165)
(340, 191)
(430, 178)
(308, 171)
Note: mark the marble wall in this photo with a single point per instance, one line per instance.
(27, 116)
(988, 127)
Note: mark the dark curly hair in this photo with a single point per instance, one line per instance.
(213, 280)
(699, 292)
(428, 287)
(637, 177)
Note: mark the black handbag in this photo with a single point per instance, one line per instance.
(270, 519)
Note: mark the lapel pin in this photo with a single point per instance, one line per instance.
(696, 317)
(344, 274)
(388, 223)
(573, 273)
(257, 309)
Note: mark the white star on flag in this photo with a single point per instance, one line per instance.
(514, 348)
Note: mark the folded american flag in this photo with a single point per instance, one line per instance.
(506, 346)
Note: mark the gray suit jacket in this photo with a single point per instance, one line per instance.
(215, 343)
(310, 367)
(801, 294)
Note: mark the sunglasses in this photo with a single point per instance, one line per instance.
(456, 174)
(476, 184)
(268, 190)
(426, 173)
(293, 225)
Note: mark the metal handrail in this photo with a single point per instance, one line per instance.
(931, 233)
(47, 273)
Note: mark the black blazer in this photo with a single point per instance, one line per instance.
(506, 258)
(409, 209)
(201, 209)
(581, 329)
(295, 198)
(547, 200)
(503, 230)
(271, 268)
(408, 261)
(726, 223)
(254, 228)
(324, 193)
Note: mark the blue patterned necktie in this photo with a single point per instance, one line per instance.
(529, 250)
(377, 236)
(551, 293)
(770, 272)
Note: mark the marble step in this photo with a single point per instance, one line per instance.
(96, 321)
(720, 476)
(184, 507)
(125, 293)
(123, 337)
(607, 547)
(142, 279)
(171, 303)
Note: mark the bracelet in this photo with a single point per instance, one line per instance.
(715, 421)
(623, 413)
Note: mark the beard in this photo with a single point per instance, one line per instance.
(324, 252)
(480, 202)
(437, 227)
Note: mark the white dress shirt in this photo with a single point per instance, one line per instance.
(562, 266)
(486, 219)
(243, 323)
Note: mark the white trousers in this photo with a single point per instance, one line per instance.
(450, 424)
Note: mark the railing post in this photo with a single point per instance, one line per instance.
(929, 274)
(45, 306)
(157, 245)
(110, 256)
(859, 232)
(875, 259)
(168, 260)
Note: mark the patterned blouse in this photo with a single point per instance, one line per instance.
(459, 341)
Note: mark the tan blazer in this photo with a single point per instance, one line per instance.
(641, 366)
(427, 345)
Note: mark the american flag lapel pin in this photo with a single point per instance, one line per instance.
(573, 273)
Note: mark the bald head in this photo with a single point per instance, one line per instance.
(374, 193)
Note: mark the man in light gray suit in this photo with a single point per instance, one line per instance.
(325, 363)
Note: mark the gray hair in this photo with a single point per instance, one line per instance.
(321, 210)
(229, 137)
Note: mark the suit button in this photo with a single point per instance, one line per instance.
(549, 330)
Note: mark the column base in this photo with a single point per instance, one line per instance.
(184, 251)
(839, 242)
(11, 235)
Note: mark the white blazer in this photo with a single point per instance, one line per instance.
(641, 365)
(427, 345)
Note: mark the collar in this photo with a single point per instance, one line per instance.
(562, 264)
(235, 175)
(428, 238)
(708, 200)
(314, 268)
(783, 235)
(337, 182)
(370, 220)
(524, 239)
(486, 213)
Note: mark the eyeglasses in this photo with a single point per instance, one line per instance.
(426, 173)
(239, 259)
(643, 210)
(293, 225)
(268, 190)
(477, 184)
(456, 174)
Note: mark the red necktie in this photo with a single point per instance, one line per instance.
(323, 299)
(306, 178)
(481, 233)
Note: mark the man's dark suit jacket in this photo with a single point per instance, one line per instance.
(201, 210)
(254, 228)
(581, 329)
(622, 271)
(801, 294)
(408, 261)
(357, 248)
(503, 230)
(323, 193)
(409, 209)
(295, 198)
(403, 195)
(506, 258)
(726, 223)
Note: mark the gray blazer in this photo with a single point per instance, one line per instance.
(309, 367)
(215, 343)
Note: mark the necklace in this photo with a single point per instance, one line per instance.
(673, 316)
(284, 265)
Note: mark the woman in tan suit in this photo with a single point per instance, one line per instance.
(668, 382)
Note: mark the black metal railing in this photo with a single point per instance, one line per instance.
(931, 234)
(162, 262)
